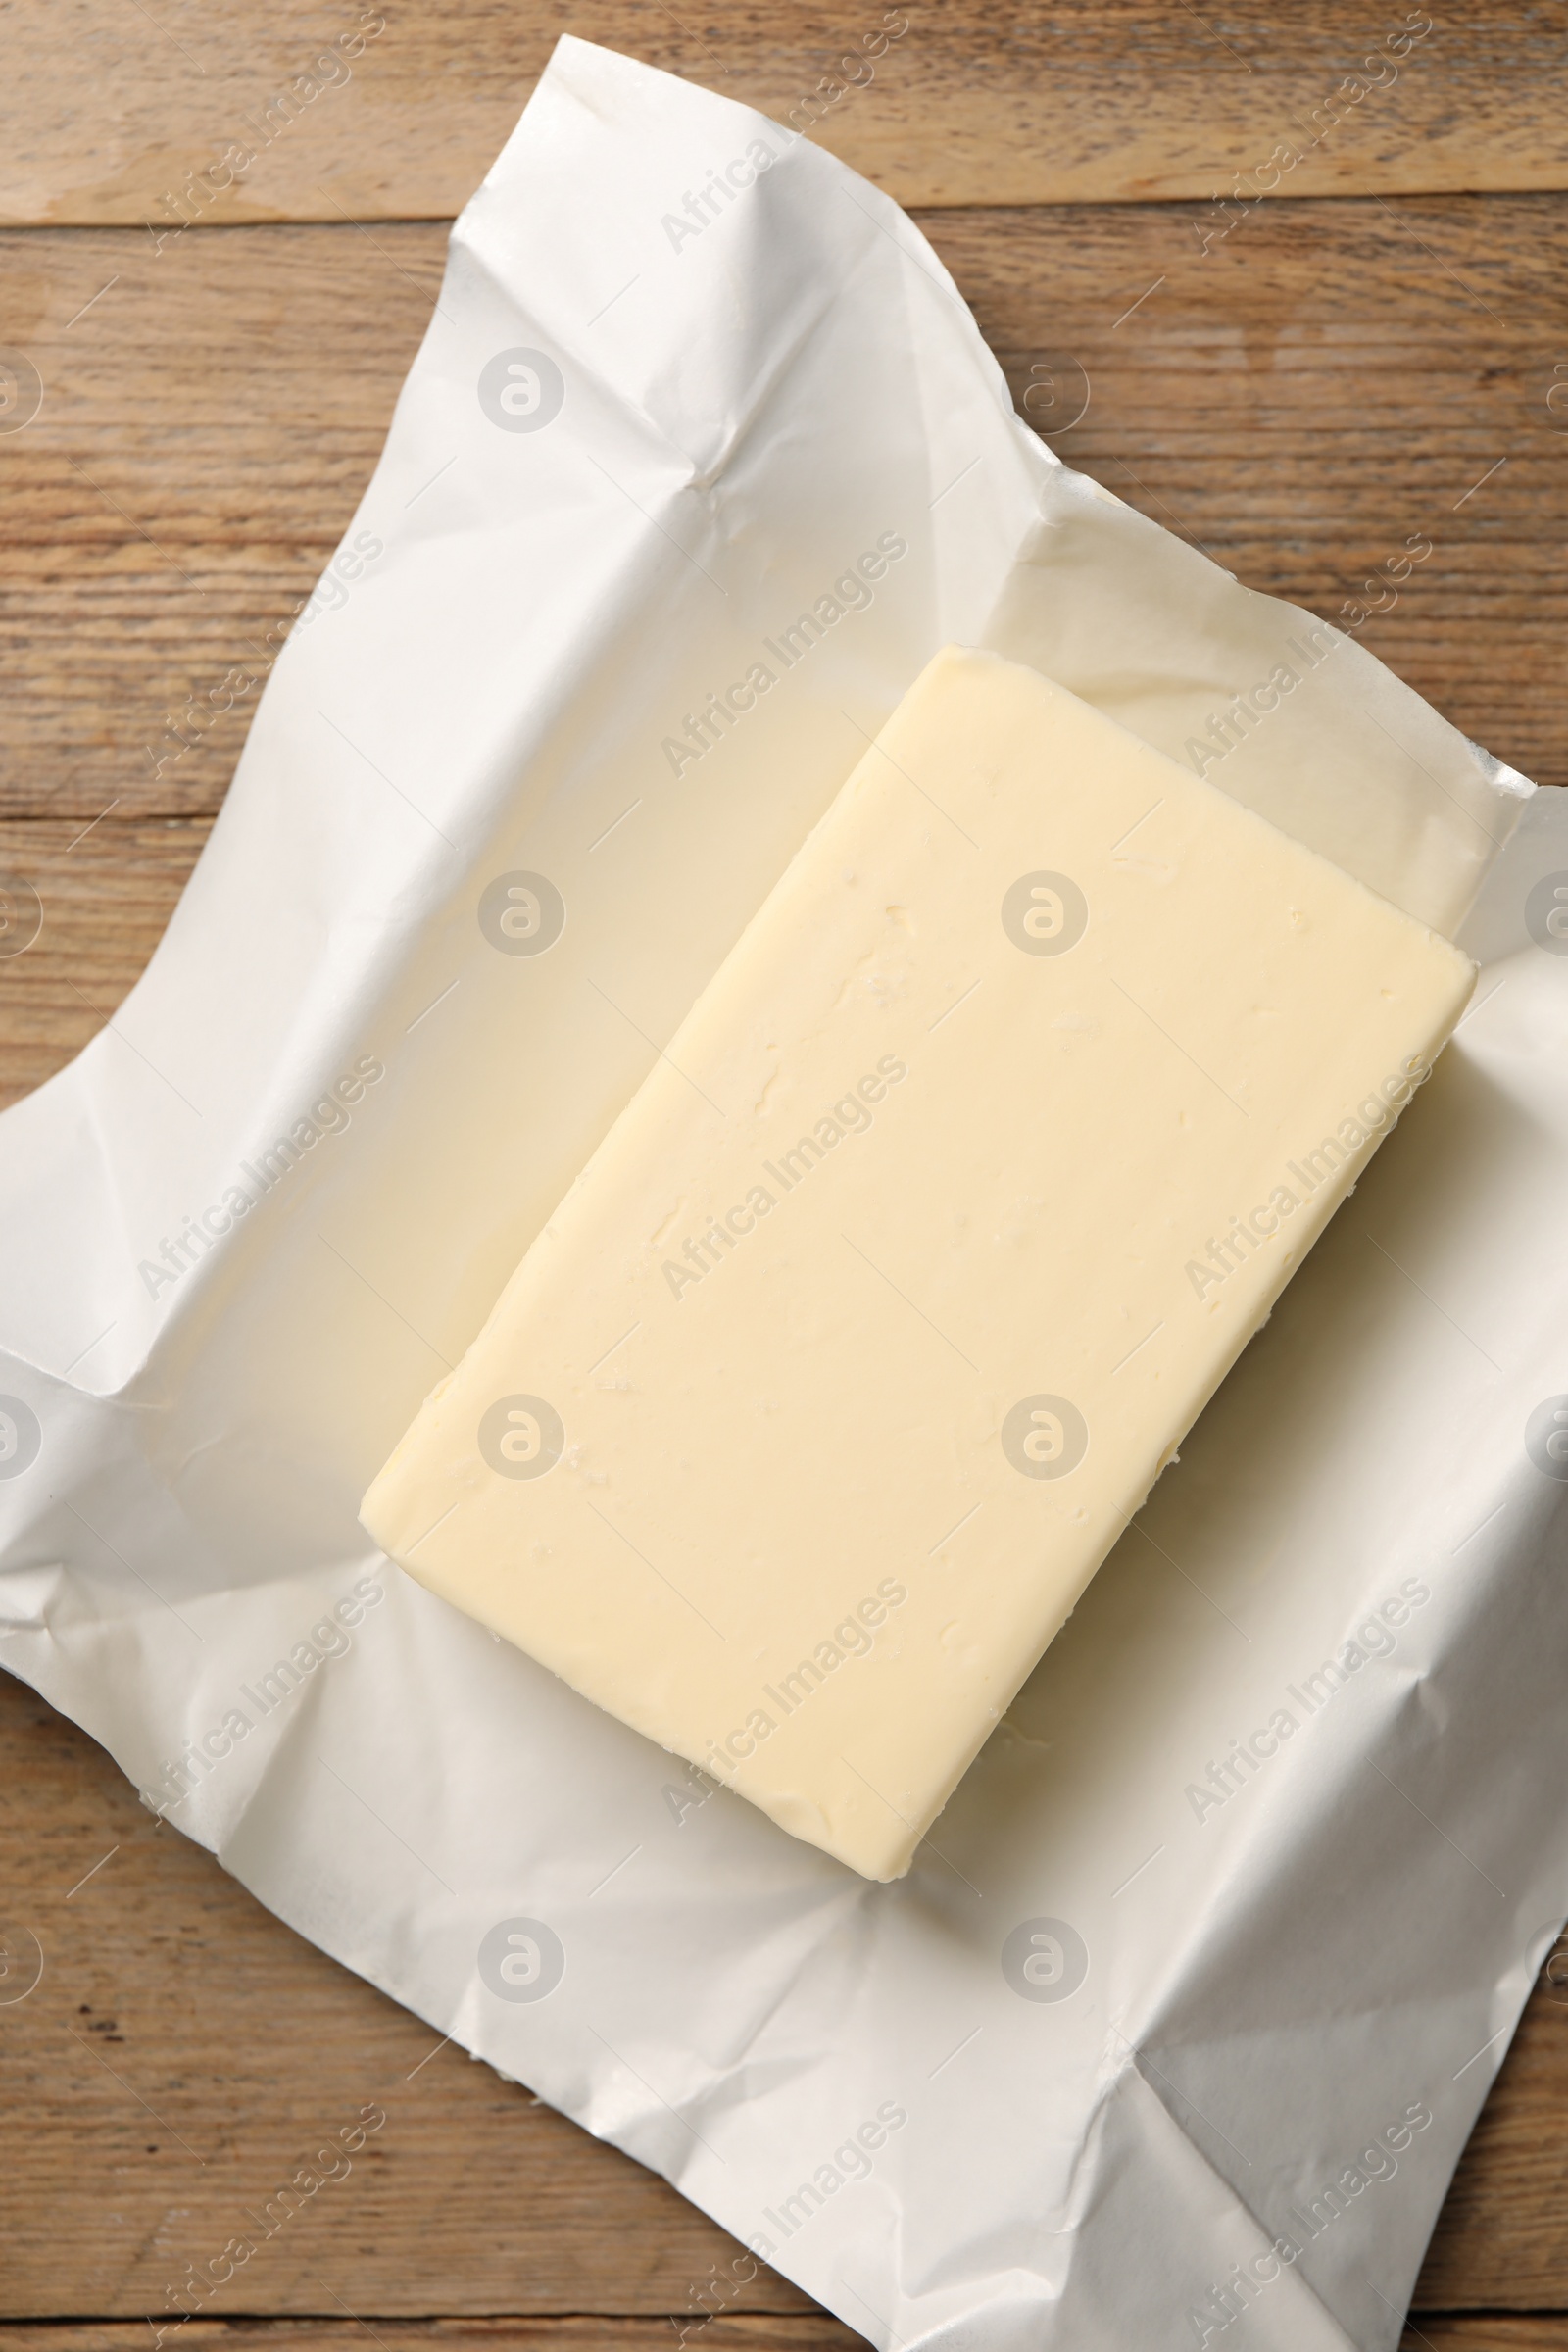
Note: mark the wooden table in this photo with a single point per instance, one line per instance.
(1368, 347)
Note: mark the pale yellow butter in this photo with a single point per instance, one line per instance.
(806, 1419)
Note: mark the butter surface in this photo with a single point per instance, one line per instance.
(806, 1420)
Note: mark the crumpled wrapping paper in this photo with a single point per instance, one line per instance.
(1162, 2026)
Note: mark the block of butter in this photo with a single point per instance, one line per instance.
(809, 1414)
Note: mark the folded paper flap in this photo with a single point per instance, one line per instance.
(1279, 709)
(656, 305)
(1150, 2132)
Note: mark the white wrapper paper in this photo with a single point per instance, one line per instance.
(1132, 2021)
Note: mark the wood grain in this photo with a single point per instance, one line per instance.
(165, 512)
(1496, 2331)
(742, 2332)
(335, 2331)
(1072, 102)
(1502, 2241)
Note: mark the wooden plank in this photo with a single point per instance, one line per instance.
(184, 2051)
(1450, 2331)
(729, 2331)
(1326, 381)
(151, 575)
(1502, 2241)
(1430, 2332)
(741, 2332)
(400, 117)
